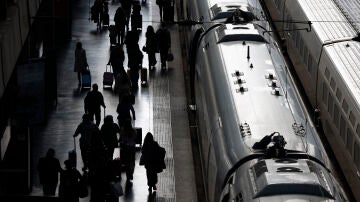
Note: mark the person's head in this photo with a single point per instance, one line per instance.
(50, 152)
(108, 119)
(150, 29)
(148, 138)
(78, 45)
(86, 118)
(95, 87)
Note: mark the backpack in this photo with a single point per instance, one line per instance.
(160, 153)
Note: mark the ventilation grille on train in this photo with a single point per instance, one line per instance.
(223, 11)
(228, 33)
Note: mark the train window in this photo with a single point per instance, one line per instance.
(358, 130)
(297, 39)
(332, 84)
(338, 94)
(352, 118)
(349, 141)
(342, 128)
(327, 73)
(345, 106)
(301, 45)
(330, 104)
(325, 92)
(306, 56)
(336, 116)
(310, 63)
(357, 154)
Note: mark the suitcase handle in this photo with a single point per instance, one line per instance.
(110, 68)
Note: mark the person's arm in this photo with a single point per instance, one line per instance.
(77, 131)
(132, 111)
(102, 101)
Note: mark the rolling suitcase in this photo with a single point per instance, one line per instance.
(108, 77)
(72, 155)
(86, 79)
(144, 74)
(136, 22)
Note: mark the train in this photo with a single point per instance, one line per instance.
(326, 60)
(257, 139)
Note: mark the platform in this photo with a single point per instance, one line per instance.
(160, 107)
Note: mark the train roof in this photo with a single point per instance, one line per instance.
(264, 104)
(351, 9)
(346, 57)
(327, 20)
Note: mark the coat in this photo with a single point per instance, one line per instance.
(80, 60)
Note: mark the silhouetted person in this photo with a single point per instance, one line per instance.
(135, 57)
(120, 23)
(160, 3)
(164, 43)
(80, 64)
(116, 59)
(152, 157)
(92, 103)
(126, 5)
(123, 109)
(109, 131)
(98, 172)
(122, 85)
(86, 128)
(69, 183)
(49, 169)
(127, 145)
(151, 46)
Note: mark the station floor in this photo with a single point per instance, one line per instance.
(160, 107)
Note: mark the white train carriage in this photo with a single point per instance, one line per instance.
(326, 61)
(257, 140)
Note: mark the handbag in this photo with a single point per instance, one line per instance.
(170, 56)
(116, 188)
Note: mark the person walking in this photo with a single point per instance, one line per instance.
(123, 109)
(135, 58)
(69, 183)
(86, 129)
(164, 40)
(126, 5)
(49, 169)
(122, 85)
(160, 3)
(152, 156)
(116, 59)
(120, 22)
(80, 64)
(127, 145)
(93, 102)
(151, 46)
(109, 131)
